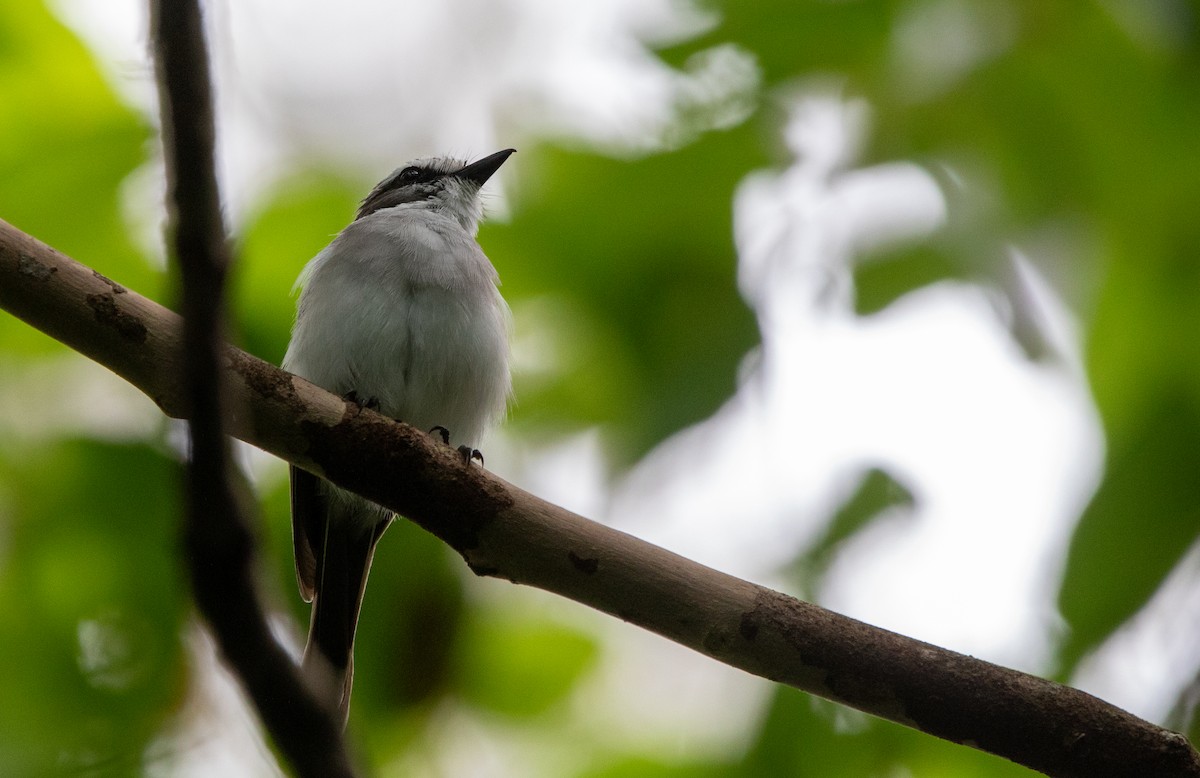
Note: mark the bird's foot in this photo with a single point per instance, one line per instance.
(370, 403)
(469, 453)
(466, 452)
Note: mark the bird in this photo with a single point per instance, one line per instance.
(402, 313)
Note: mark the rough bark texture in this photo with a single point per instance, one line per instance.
(502, 531)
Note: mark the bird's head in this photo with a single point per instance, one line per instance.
(439, 183)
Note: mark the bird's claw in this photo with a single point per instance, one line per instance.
(466, 452)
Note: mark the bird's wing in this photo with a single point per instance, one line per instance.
(308, 528)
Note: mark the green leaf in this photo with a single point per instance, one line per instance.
(521, 666)
(806, 736)
(66, 147)
(639, 257)
(93, 604)
(646, 767)
(877, 491)
(300, 220)
(885, 279)
(1145, 515)
(411, 630)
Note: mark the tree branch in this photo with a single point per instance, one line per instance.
(218, 543)
(503, 531)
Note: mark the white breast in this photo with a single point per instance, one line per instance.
(403, 307)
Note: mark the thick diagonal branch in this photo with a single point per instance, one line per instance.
(503, 531)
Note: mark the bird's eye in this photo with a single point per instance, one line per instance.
(410, 174)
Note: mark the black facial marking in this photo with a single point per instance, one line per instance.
(414, 175)
(406, 185)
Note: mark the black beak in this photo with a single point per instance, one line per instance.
(482, 170)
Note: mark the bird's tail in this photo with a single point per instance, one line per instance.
(341, 578)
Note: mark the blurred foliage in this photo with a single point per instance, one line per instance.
(877, 491)
(67, 146)
(646, 272)
(92, 602)
(1078, 115)
(810, 738)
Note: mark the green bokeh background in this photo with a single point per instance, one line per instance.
(1078, 121)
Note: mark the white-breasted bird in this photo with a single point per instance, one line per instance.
(401, 310)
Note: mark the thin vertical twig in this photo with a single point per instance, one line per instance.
(218, 544)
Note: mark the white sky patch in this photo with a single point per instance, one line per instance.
(1000, 452)
(365, 86)
(989, 441)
